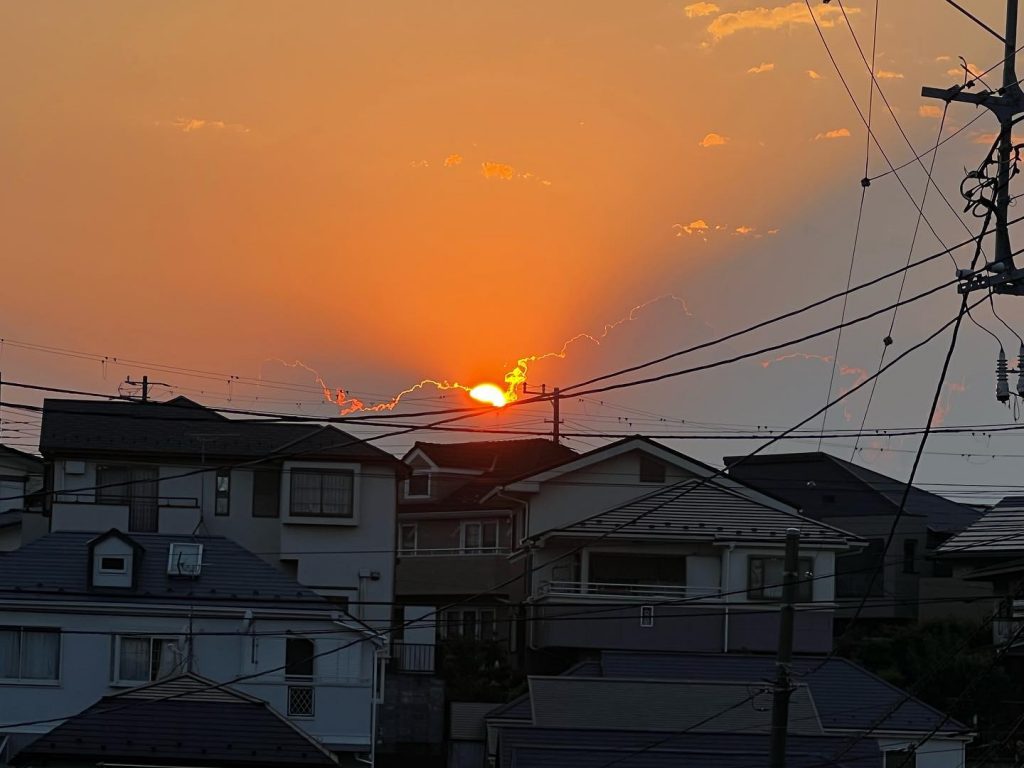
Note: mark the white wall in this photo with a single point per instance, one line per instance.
(936, 753)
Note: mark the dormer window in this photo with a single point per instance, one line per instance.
(184, 559)
(418, 486)
(113, 560)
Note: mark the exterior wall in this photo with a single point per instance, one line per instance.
(587, 492)
(941, 599)
(934, 753)
(18, 477)
(457, 575)
(223, 648)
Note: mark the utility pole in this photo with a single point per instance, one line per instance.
(990, 195)
(145, 385)
(783, 686)
(556, 419)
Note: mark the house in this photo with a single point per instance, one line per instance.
(677, 709)
(84, 616)
(455, 534)
(185, 720)
(990, 552)
(21, 479)
(312, 500)
(634, 546)
(906, 583)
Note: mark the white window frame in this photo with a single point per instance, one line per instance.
(430, 482)
(188, 549)
(115, 672)
(20, 680)
(415, 539)
(480, 549)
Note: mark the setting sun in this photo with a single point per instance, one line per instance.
(489, 393)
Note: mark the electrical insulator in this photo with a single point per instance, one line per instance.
(1020, 372)
(1002, 382)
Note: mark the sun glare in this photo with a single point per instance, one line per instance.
(488, 393)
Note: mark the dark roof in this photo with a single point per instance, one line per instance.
(545, 747)
(823, 485)
(56, 567)
(999, 532)
(27, 460)
(846, 695)
(701, 510)
(498, 458)
(179, 721)
(183, 428)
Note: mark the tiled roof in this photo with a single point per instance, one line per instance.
(30, 462)
(806, 478)
(546, 747)
(664, 705)
(696, 510)
(501, 459)
(520, 707)
(847, 696)
(1000, 532)
(164, 723)
(55, 567)
(181, 427)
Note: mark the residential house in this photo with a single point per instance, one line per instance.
(990, 552)
(907, 583)
(21, 479)
(661, 709)
(84, 616)
(312, 500)
(455, 535)
(635, 546)
(185, 720)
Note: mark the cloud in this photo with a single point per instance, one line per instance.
(990, 138)
(744, 230)
(927, 110)
(943, 58)
(886, 74)
(763, 67)
(838, 133)
(697, 226)
(193, 124)
(700, 9)
(713, 140)
(453, 160)
(972, 68)
(774, 231)
(813, 75)
(774, 18)
(498, 171)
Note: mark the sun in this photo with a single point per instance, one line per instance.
(489, 393)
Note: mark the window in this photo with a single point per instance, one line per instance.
(29, 653)
(647, 616)
(651, 470)
(298, 657)
(765, 576)
(266, 493)
(300, 701)
(417, 486)
(470, 624)
(480, 537)
(623, 569)
(184, 559)
(144, 659)
(856, 572)
(222, 493)
(112, 565)
(910, 555)
(407, 539)
(113, 484)
(136, 486)
(321, 493)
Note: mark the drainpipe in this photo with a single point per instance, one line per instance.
(727, 571)
(376, 678)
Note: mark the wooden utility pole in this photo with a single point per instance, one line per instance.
(1005, 103)
(556, 418)
(783, 685)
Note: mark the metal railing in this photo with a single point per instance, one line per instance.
(613, 589)
(183, 502)
(449, 552)
(414, 657)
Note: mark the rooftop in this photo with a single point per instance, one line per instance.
(999, 533)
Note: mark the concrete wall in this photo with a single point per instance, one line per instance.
(231, 647)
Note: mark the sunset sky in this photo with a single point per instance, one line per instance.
(393, 191)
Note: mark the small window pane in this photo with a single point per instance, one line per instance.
(112, 564)
(10, 653)
(299, 653)
(135, 661)
(419, 485)
(472, 537)
(408, 539)
(490, 535)
(266, 493)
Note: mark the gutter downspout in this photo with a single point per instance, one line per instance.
(727, 568)
(376, 679)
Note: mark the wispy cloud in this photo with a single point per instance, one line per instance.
(778, 17)
(973, 68)
(762, 67)
(744, 230)
(943, 58)
(838, 133)
(193, 124)
(990, 138)
(452, 160)
(887, 74)
(497, 171)
(701, 9)
(713, 140)
(813, 75)
(929, 111)
(697, 226)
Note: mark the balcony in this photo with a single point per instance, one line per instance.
(414, 657)
(449, 552)
(1008, 627)
(601, 589)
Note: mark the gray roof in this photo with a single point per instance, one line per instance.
(183, 428)
(546, 747)
(823, 485)
(182, 720)
(704, 511)
(664, 705)
(56, 567)
(1000, 532)
(28, 462)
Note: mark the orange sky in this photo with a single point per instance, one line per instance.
(390, 191)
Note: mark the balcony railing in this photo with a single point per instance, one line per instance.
(183, 502)
(413, 657)
(474, 551)
(1009, 629)
(611, 589)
